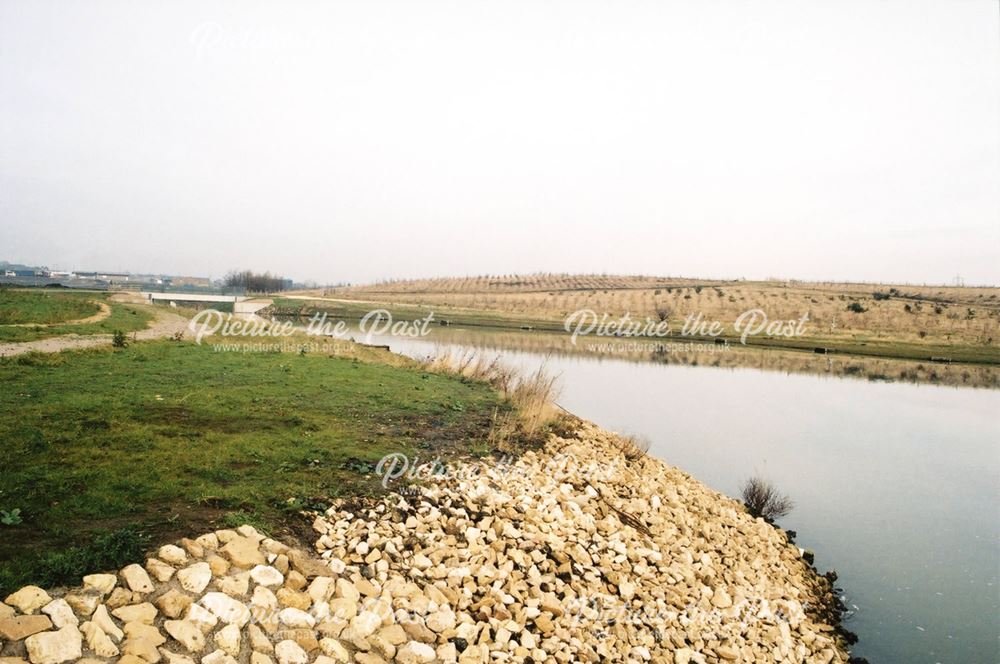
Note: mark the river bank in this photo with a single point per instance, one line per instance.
(585, 550)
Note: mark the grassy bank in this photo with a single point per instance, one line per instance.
(858, 343)
(28, 315)
(105, 448)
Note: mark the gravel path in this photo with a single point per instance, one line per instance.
(166, 324)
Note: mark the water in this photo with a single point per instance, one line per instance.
(896, 486)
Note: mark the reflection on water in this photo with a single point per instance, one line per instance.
(723, 356)
(897, 486)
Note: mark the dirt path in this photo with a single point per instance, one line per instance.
(104, 312)
(166, 324)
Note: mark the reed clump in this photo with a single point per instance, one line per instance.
(531, 397)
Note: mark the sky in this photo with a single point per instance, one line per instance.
(359, 141)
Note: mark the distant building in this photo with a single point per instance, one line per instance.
(195, 282)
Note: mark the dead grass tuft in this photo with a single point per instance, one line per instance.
(531, 396)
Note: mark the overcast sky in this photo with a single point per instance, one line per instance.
(364, 140)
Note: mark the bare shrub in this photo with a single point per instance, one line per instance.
(764, 500)
(633, 448)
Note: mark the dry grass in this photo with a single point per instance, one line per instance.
(909, 313)
(633, 448)
(532, 396)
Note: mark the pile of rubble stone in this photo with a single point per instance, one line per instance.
(577, 553)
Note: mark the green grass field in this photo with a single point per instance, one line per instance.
(44, 307)
(102, 448)
(51, 308)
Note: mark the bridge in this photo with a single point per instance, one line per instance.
(241, 303)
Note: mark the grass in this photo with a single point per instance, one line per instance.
(41, 306)
(18, 307)
(163, 439)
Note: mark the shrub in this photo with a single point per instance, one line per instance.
(119, 340)
(763, 499)
(879, 295)
(856, 308)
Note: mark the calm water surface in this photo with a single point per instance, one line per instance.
(896, 486)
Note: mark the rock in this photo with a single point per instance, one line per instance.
(187, 633)
(174, 658)
(293, 579)
(98, 641)
(258, 640)
(192, 548)
(266, 575)
(393, 634)
(218, 657)
(365, 623)
(440, 621)
(243, 552)
(28, 599)
(161, 571)
(259, 658)
(61, 613)
(335, 650)
(121, 597)
(226, 608)
(418, 632)
(415, 652)
(236, 585)
(218, 564)
(248, 531)
(228, 639)
(347, 590)
(307, 566)
(292, 599)
(131, 659)
(296, 618)
(6, 611)
(172, 603)
(54, 647)
(721, 599)
(142, 640)
(728, 652)
(202, 617)
(306, 638)
(290, 652)
(102, 583)
(209, 541)
(84, 603)
(322, 588)
(107, 625)
(136, 579)
(368, 658)
(683, 656)
(195, 578)
(21, 627)
(143, 613)
(172, 554)
(343, 608)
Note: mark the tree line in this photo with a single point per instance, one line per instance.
(254, 282)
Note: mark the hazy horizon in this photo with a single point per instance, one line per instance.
(355, 142)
